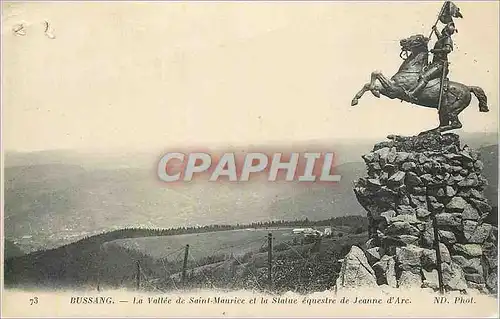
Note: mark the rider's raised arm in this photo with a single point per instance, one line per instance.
(436, 32)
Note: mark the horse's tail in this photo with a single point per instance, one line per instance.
(481, 96)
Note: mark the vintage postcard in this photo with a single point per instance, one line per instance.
(250, 159)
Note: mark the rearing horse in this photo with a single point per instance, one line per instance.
(455, 99)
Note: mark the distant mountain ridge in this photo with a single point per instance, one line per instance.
(346, 151)
(57, 200)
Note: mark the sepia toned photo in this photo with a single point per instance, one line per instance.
(237, 159)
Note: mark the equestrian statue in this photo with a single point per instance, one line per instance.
(425, 84)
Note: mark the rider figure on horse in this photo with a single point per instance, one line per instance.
(442, 48)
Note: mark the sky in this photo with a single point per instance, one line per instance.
(144, 75)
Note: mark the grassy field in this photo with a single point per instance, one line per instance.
(237, 242)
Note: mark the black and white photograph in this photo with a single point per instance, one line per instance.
(286, 158)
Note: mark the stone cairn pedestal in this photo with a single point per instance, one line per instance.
(418, 189)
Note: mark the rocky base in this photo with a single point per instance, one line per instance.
(419, 189)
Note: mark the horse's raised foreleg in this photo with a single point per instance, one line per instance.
(384, 86)
(358, 95)
(389, 87)
(374, 76)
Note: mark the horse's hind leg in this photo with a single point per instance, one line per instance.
(455, 124)
(451, 113)
(448, 116)
(444, 118)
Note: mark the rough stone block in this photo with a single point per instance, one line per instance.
(468, 250)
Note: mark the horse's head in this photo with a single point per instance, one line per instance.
(413, 44)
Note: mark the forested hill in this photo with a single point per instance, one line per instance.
(81, 262)
(352, 222)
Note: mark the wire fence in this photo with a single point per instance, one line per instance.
(190, 267)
